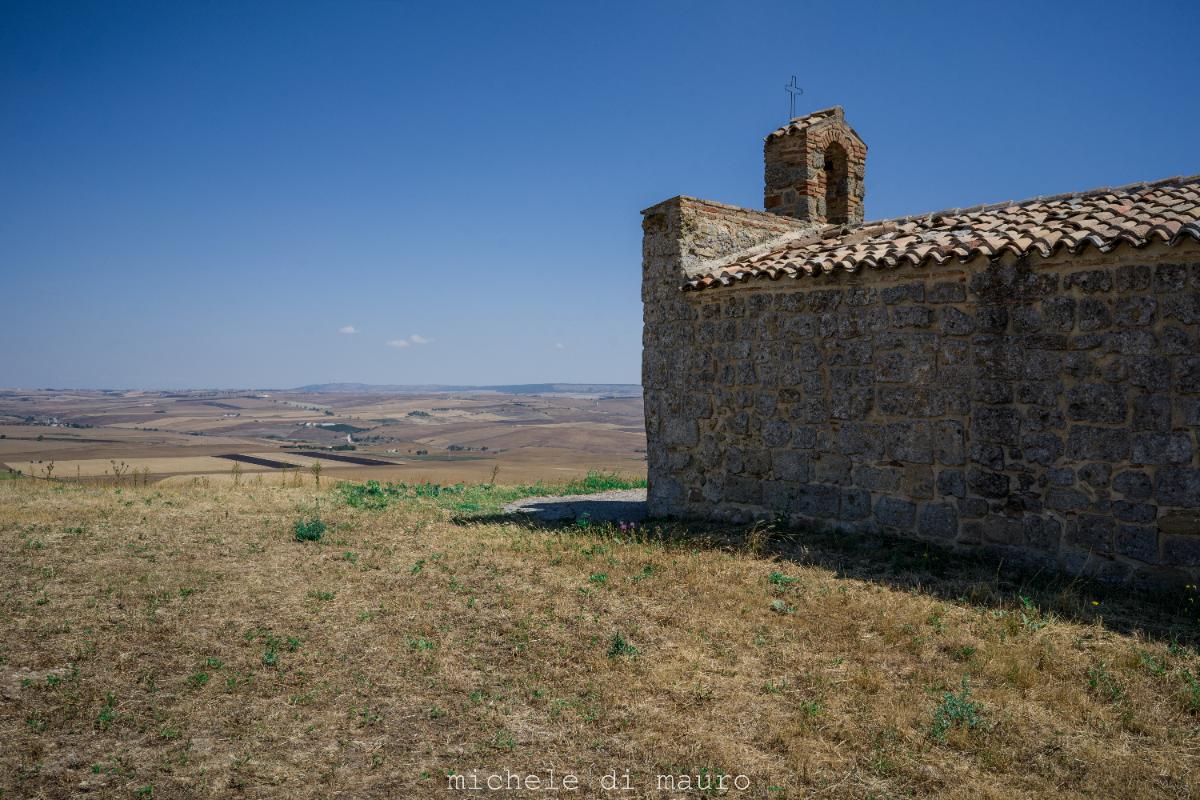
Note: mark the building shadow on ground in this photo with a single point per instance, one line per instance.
(977, 580)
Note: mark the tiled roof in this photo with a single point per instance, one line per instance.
(807, 121)
(1136, 215)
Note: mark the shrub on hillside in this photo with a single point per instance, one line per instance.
(308, 530)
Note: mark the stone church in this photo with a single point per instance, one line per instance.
(1021, 378)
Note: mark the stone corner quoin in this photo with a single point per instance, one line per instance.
(1043, 408)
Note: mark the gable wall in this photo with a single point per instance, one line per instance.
(1046, 413)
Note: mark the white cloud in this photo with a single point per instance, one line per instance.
(416, 338)
(559, 346)
(347, 329)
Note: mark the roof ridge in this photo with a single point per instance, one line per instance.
(1178, 180)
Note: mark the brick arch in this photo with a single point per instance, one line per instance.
(836, 167)
(835, 170)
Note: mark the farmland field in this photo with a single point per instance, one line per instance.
(180, 437)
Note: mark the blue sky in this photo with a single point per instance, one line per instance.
(205, 194)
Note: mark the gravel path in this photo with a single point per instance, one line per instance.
(623, 505)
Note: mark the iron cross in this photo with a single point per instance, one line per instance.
(793, 89)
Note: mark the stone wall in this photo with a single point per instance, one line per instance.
(1046, 412)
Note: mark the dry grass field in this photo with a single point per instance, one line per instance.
(179, 642)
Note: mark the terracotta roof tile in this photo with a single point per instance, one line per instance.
(1136, 215)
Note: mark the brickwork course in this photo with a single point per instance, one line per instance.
(1018, 378)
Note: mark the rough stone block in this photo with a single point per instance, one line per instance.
(804, 438)
(954, 353)
(680, 432)
(757, 462)
(1178, 487)
(988, 455)
(992, 319)
(952, 483)
(1170, 278)
(1096, 475)
(938, 521)
(853, 402)
(904, 367)
(1089, 281)
(1132, 277)
(1181, 551)
(1025, 318)
(946, 292)
(1152, 413)
(1060, 476)
(1176, 341)
(1105, 569)
(1059, 313)
(992, 391)
(861, 439)
(1134, 485)
(910, 441)
(861, 296)
(1092, 532)
(1000, 425)
(1139, 342)
(854, 352)
(973, 508)
(1134, 312)
(1042, 533)
(986, 483)
(779, 496)
(1066, 500)
(790, 465)
(918, 482)
(1044, 419)
(776, 432)
(1188, 372)
(1162, 448)
(1137, 542)
(948, 446)
(1087, 443)
(818, 502)
(905, 292)
(1093, 315)
(954, 322)
(1097, 402)
(1152, 373)
(1184, 307)
(798, 327)
(1039, 393)
(912, 316)
(894, 512)
(825, 300)
(831, 468)
(1130, 511)
(1003, 530)
(743, 490)
(878, 479)
(856, 505)
(1041, 448)
(899, 401)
